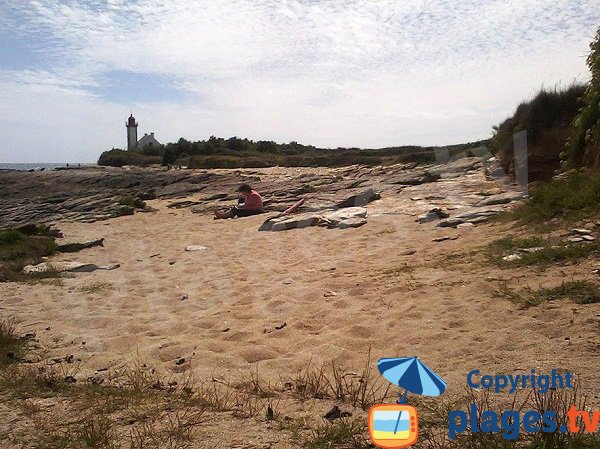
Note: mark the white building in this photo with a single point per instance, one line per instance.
(148, 141)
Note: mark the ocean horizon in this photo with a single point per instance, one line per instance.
(25, 166)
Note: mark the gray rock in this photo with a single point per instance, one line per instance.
(433, 214)
(502, 198)
(470, 216)
(477, 213)
(360, 199)
(340, 218)
(444, 238)
(352, 223)
(581, 232)
(415, 178)
(74, 267)
(450, 222)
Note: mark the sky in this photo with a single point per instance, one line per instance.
(360, 73)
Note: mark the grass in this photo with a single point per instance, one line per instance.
(360, 389)
(346, 433)
(22, 247)
(570, 198)
(12, 346)
(577, 291)
(18, 247)
(135, 408)
(96, 287)
(548, 251)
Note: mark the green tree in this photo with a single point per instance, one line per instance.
(170, 155)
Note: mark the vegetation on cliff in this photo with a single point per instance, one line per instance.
(243, 153)
(563, 127)
(547, 119)
(583, 148)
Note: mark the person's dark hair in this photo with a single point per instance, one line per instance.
(244, 188)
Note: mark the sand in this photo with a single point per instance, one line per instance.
(278, 301)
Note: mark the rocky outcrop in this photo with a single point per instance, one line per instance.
(350, 217)
(97, 193)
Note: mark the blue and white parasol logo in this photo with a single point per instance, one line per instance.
(412, 375)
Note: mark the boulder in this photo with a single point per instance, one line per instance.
(283, 223)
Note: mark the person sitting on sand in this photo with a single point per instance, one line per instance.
(250, 203)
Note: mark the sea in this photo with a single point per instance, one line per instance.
(38, 166)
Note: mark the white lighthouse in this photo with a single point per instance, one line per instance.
(131, 126)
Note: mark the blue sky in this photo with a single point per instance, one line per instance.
(329, 73)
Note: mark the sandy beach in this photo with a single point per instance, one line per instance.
(275, 301)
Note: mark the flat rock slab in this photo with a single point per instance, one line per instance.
(502, 198)
(73, 267)
(415, 178)
(444, 238)
(471, 216)
(581, 232)
(349, 217)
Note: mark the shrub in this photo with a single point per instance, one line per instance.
(118, 158)
(575, 196)
(18, 247)
(131, 201)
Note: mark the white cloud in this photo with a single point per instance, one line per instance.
(331, 73)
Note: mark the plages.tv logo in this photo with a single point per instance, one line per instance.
(394, 426)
